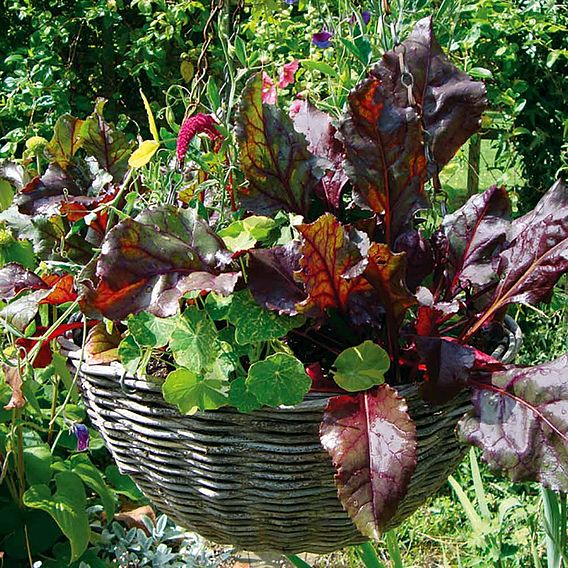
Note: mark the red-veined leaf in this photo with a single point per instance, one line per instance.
(372, 442)
(149, 262)
(280, 170)
(332, 259)
(14, 278)
(520, 422)
(475, 232)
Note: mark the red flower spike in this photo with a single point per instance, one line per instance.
(191, 127)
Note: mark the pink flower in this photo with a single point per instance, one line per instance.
(287, 74)
(268, 90)
(192, 126)
(295, 107)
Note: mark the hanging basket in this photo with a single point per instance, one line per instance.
(259, 481)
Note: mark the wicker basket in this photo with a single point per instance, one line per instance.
(259, 481)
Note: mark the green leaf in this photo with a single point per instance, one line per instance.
(62, 370)
(195, 343)
(320, 66)
(253, 323)
(151, 331)
(37, 464)
(130, 354)
(123, 484)
(82, 466)
(190, 392)
(279, 379)
(6, 194)
(480, 73)
(67, 506)
(244, 234)
(218, 306)
(241, 398)
(361, 367)
(213, 94)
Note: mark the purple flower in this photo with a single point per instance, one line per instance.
(81, 432)
(322, 39)
(365, 16)
(290, 2)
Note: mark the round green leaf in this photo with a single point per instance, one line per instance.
(241, 398)
(279, 379)
(361, 367)
(190, 392)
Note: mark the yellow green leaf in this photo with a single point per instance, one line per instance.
(143, 154)
(150, 114)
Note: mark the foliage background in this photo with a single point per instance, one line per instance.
(59, 56)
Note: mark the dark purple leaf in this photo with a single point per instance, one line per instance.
(271, 278)
(44, 195)
(520, 422)
(475, 232)
(280, 170)
(535, 260)
(319, 131)
(389, 156)
(451, 102)
(449, 366)
(149, 262)
(419, 256)
(372, 442)
(14, 278)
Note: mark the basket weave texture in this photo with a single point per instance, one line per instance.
(259, 481)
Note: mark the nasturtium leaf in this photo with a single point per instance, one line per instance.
(92, 478)
(66, 140)
(149, 262)
(218, 306)
(280, 170)
(191, 392)
(361, 367)
(194, 342)
(372, 442)
(143, 154)
(520, 422)
(244, 234)
(386, 272)
(67, 506)
(332, 259)
(475, 232)
(101, 346)
(107, 145)
(271, 278)
(151, 331)
(241, 397)
(130, 354)
(278, 379)
(320, 133)
(253, 323)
